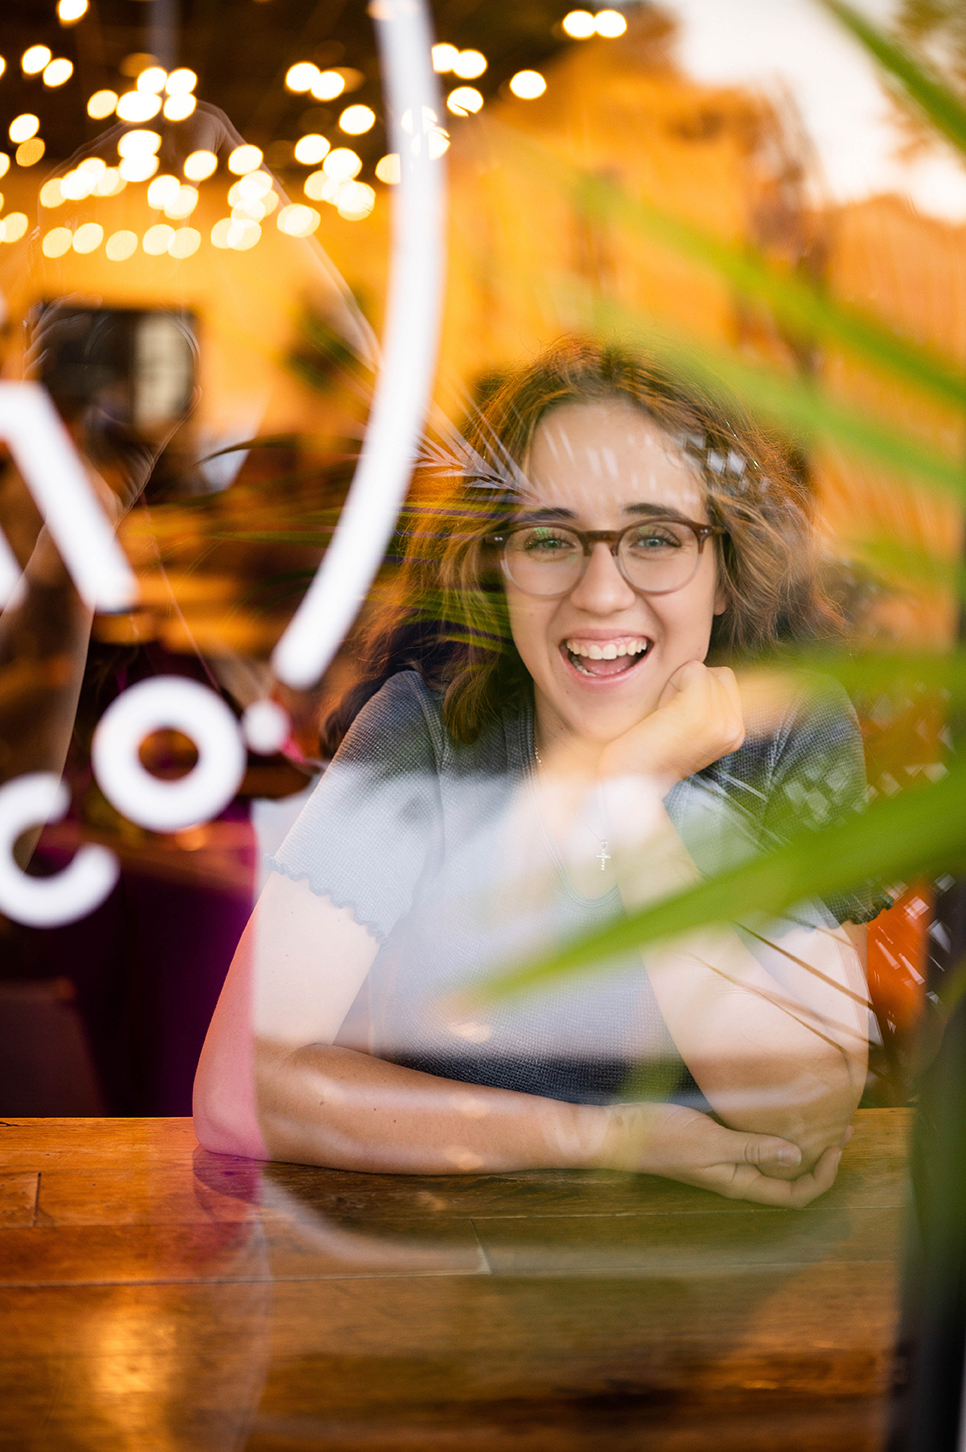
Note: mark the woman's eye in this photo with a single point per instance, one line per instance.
(654, 541)
(544, 541)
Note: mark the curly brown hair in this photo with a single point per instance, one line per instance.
(445, 613)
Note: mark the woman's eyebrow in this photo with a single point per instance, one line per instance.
(660, 511)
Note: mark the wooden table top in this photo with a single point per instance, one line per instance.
(156, 1296)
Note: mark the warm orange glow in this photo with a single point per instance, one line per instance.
(28, 153)
(14, 226)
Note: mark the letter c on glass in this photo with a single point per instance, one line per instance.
(47, 902)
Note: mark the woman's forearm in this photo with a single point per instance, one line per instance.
(766, 1060)
(344, 1109)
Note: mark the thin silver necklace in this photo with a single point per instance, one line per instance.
(603, 856)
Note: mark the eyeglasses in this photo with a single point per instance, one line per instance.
(655, 556)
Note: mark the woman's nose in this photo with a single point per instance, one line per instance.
(602, 588)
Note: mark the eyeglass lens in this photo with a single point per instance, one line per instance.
(657, 557)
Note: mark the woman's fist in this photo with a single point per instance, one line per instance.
(697, 721)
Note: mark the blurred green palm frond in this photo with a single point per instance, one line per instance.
(920, 832)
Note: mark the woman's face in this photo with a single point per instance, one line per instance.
(604, 466)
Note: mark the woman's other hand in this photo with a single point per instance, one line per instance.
(698, 720)
(683, 1144)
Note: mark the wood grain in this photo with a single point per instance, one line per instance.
(157, 1296)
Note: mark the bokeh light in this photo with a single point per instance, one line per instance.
(58, 72)
(244, 159)
(357, 120)
(163, 189)
(342, 164)
(181, 82)
(301, 77)
(528, 85)
(579, 25)
(69, 11)
(102, 104)
(184, 243)
(311, 149)
(33, 60)
(389, 169)
(138, 106)
(464, 101)
(179, 106)
(28, 153)
(298, 221)
(443, 57)
(15, 226)
(152, 79)
(88, 237)
(23, 127)
(610, 23)
(355, 201)
(51, 194)
(157, 239)
(121, 245)
(469, 64)
(138, 143)
(138, 168)
(327, 86)
(57, 241)
(200, 165)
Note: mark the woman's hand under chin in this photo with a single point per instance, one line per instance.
(698, 720)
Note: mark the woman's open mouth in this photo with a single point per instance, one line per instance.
(604, 659)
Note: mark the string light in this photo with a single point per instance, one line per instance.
(528, 85)
(184, 243)
(138, 143)
(57, 241)
(302, 77)
(121, 245)
(181, 82)
(88, 237)
(152, 79)
(58, 72)
(76, 185)
(243, 235)
(321, 188)
(156, 239)
(610, 23)
(200, 165)
(28, 153)
(579, 25)
(183, 204)
(163, 189)
(70, 11)
(244, 159)
(138, 168)
(4, 163)
(389, 169)
(437, 142)
(51, 194)
(329, 85)
(464, 101)
(15, 226)
(355, 201)
(357, 120)
(33, 60)
(109, 183)
(443, 57)
(298, 221)
(179, 106)
(342, 164)
(311, 149)
(102, 104)
(23, 127)
(469, 64)
(3, 65)
(138, 106)
(250, 188)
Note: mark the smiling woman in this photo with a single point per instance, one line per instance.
(544, 735)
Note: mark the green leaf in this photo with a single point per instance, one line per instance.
(923, 88)
(917, 833)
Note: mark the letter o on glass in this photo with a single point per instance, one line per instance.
(48, 902)
(175, 703)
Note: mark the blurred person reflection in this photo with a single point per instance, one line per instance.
(148, 964)
(547, 733)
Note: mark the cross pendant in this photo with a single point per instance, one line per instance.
(603, 856)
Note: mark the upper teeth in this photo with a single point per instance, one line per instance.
(607, 649)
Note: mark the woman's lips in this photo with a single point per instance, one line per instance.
(604, 659)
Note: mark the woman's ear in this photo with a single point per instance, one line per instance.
(721, 600)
